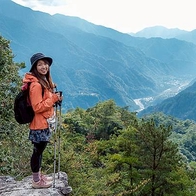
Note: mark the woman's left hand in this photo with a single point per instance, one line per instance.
(60, 97)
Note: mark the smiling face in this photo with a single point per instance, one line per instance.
(42, 66)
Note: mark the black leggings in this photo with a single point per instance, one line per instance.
(36, 158)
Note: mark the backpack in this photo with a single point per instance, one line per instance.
(23, 111)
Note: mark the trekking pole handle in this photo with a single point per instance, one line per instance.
(61, 94)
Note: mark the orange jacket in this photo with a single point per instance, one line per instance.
(42, 106)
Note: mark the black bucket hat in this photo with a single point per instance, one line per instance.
(39, 56)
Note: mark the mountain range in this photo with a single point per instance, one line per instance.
(163, 32)
(94, 63)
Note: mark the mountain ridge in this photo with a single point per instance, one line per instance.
(166, 33)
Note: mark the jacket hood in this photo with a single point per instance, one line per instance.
(29, 78)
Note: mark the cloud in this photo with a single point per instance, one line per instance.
(52, 2)
(49, 6)
(40, 2)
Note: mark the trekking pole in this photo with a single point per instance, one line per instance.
(59, 141)
(55, 140)
(59, 137)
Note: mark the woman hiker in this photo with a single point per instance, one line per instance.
(42, 98)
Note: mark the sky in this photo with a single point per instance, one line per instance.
(127, 16)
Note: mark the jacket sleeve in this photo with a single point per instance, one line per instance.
(41, 103)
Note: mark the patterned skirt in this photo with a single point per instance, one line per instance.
(42, 135)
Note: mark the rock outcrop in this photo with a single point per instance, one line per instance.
(11, 187)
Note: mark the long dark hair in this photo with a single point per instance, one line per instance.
(45, 81)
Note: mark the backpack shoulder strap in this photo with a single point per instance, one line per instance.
(42, 90)
(29, 83)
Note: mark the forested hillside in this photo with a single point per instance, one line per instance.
(182, 106)
(105, 149)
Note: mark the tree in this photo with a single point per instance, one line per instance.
(12, 136)
(98, 122)
(161, 159)
(9, 84)
(144, 161)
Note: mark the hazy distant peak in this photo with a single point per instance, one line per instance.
(159, 31)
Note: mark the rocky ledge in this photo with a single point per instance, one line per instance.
(11, 187)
